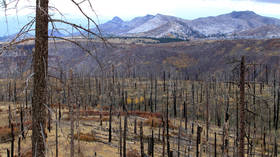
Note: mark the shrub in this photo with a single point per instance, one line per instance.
(27, 153)
(5, 134)
(85, 137)
(157, 122)
(133, 153)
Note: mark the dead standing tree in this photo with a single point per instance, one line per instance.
(40, 69)
(242, 109)
(40, 60)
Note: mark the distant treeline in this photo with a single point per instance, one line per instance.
(160, 40)
(168, 40)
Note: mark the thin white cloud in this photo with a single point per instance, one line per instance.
(132, 8)
(181, 8)
(268, 1)
(188, 9)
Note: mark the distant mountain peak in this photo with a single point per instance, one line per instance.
(149, 16)
(116, 19)
(244, 12)
(238, 14)
(160, 15)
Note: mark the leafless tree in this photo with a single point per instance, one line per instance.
(40, 61)
(242, 109)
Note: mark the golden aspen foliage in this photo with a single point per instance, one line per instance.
(128, 100)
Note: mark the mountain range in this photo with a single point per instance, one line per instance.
(235, 25)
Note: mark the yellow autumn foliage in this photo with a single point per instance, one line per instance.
(180, 61)
(248, 48)
(136, 101)
(128, 100)
(141, 99)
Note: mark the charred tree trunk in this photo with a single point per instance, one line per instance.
(193, 105)
(163, 138)
(71, 130)
(135, 126)
(264, 150)
(124, 136)
(110, 124)
(49, 118)
(145, 104)
(151, 95)
(19, 148)
(242, 109)
(215, 145)
(275, 146)
(179, 139)
(141, 140)
(198, 139)
(9, 91)
(13, 140)
(225, 131)
(10, 117)
(274, 102)
(151, 144)
(185, 116)
(278, 110)
(207, 114)
(167, 128)
(56, 134)
(15, 91)
(237, 120)
(8, 153)
(71, 114)
(21, 122)
(174, 100)
(266, 74)
(40, 69)
(26, 99)
(156, 95)
(164, 81)
(120, 144)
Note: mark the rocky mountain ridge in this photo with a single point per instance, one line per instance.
(235, 25)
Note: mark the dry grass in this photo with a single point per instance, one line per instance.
(106, 113)
(145, 114)
(94, 119)
(153, 122)
(27, 153)
(5, 134)
(133, 153)
(157, 122)
(86, 137)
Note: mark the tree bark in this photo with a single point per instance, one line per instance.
(40, 69)
(242, 109)
(71, 111)
(110, 124)
(12, 140)
(124, 136)
(141, 140)
(120, 129)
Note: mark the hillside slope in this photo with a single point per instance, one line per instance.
(199, 57)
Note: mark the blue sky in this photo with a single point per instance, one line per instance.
(187, 9)
(128, 9)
